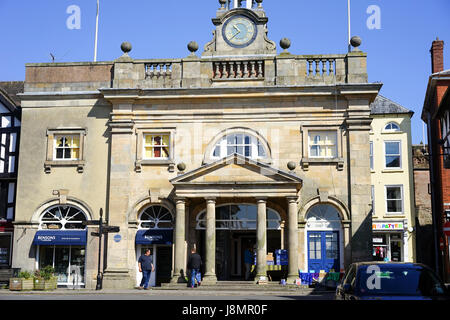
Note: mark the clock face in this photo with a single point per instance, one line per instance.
(239, 31)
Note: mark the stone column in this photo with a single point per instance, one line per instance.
(293, 240)
(210, 261)
(261, 263)
(180, 234)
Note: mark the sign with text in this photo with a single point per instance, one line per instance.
(387, 226)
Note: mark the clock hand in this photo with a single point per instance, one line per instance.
(239, 31)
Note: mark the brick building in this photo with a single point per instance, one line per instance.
(436, 113)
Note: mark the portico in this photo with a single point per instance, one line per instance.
(233, 179)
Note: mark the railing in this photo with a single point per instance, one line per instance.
(238, 70)
(158, 70)
(321, 67)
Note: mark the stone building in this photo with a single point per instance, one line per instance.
(239, 147)
(393, 211)
(424, 218)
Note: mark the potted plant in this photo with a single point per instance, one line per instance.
(23, 282)
(45, 279)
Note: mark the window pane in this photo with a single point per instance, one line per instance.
(165, 152)
(393, 162)
(394, 193)
(261, 151)
(165, 140)
(148, 153)
(148, 140)
(76, 153)
(394, 206)
(67, 154)
(217, 151)
(76, 142)
(157, 152)
(230, 150)
(392, 148)
(157, 140)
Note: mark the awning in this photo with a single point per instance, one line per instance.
(154, 236)
(60, 238)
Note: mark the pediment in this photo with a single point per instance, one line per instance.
(236, 169)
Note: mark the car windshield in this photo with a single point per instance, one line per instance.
(398, 280)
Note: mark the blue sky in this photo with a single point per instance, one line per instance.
(398, 53)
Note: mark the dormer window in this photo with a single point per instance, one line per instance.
(392, 127)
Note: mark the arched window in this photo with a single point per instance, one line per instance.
(392, 127)
(323, 216)
(156, 217)
(63, 217)
(241, 143)
(239, 217)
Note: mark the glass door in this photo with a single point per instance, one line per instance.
(323, 251)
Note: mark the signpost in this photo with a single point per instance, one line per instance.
(102, 229)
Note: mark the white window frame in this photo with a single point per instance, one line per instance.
(402, 199)
(398, 129)
(156, 134)
(55, 147)
(141, 133)
(51, 160)
(371, 158)
(400, 154)
(254, 144)
(313, 133)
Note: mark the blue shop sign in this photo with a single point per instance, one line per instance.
(154, 236)
(60, 238)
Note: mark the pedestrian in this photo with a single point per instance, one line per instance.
(194, 264)
(145, 263)
(248, 260)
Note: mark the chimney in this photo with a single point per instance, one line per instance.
(437, 56)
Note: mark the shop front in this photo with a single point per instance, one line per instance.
(5, 249)
(65, 251)
(389, 243)
(61, 243)
(156, 233)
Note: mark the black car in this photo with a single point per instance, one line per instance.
(391, 281)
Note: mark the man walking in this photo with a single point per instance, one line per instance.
(194, 264)
(248, 260)
(145, 263)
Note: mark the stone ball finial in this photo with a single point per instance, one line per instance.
(181, 166)
(223, 3)
(192, 46)
(126, 47)
(291, 165)
(355, 41)
(259, 2)
(285, 43)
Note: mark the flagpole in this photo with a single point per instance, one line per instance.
(349, 27)
(96, 31)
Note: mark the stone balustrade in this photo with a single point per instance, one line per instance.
(238, 69)
(201, 72)
(158, 69)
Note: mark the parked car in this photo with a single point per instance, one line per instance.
(391, 281)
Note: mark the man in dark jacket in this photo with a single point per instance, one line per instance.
(194, 264)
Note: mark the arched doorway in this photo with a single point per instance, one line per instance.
(235, 232)
(324, 239)
(155, 232)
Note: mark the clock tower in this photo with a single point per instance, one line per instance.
(241, 30)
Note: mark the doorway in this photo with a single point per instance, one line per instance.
(162, 261)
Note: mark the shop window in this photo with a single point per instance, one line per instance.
(62, 217)
(392, 154)
(5, 249)
(156, 217)
(68, 261)
(7, 200)
(65, 148)
(394, 199)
